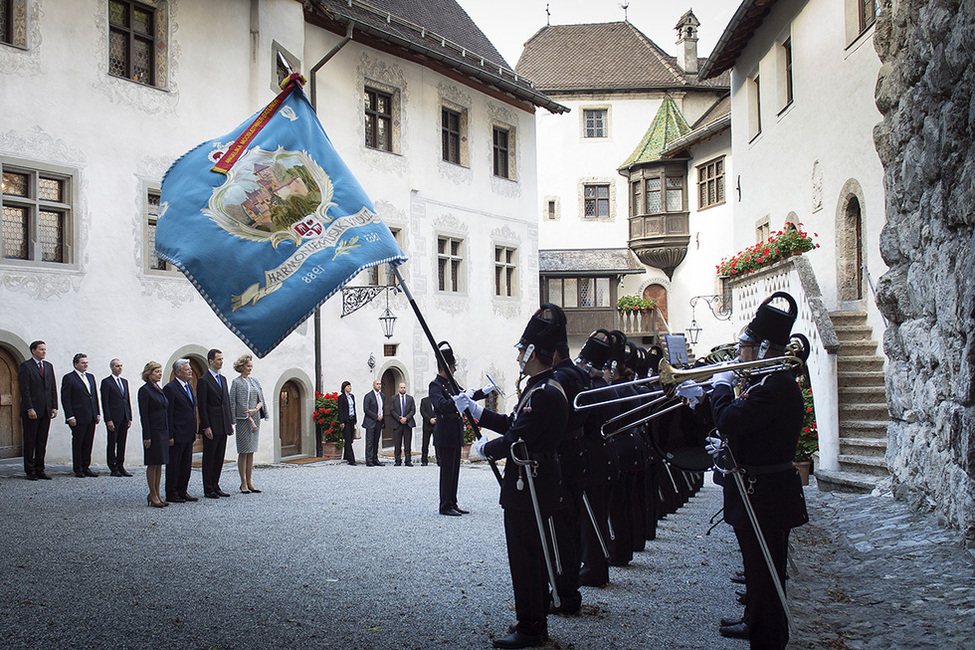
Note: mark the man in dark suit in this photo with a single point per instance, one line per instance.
(216, 423)
(373, 407)
(38, 406)
(117, 408)
(347, 419)
(429, 417)
(79, 397)
(401, 412)
(181, 415)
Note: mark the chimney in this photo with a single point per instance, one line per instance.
(687, 42)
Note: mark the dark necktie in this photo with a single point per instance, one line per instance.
(190, 393)
(40, 364)
(121, 388)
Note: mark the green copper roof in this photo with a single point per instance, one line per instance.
(667, 126)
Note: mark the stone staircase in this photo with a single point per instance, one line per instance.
(863, 415)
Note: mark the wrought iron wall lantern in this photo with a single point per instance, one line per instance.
(723, 312)
(355, 298)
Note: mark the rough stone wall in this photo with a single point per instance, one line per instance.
(925, 142)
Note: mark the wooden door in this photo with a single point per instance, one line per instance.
(659, 293)
(289, 419)
(11, 443)
(390, 387)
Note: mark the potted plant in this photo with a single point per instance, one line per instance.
(634, 303)
(469, 438)
(780, 245)
(809, 435)
(326, 418)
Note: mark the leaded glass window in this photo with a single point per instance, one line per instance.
(36, 214)
(379, 120)
(501, 151)
(450, 132)
(131, 41)
(596, 200)
(595, 123)
(449, 259)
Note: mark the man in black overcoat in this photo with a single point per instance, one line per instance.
(181, 415)
(38, 406)
(117, 408)
(216, 422)
(79, 397)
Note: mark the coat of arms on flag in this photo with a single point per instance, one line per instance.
(268, 222)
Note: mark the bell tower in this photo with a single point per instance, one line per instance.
(687, 42)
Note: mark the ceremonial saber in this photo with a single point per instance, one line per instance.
(538, 518)
(592, 518)
(555, 546)
(740, 482)
(441, 362)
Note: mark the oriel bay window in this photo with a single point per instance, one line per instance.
(663, 192)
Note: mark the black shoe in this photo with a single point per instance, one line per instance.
(519, 640)
(32, 477)
(408, 464)
(728, 622)
(115, 472)
(565, 609)
(220, 493)
(590, 579)
(186, 497)
(377, 463)
(80, 474)
(351, 462)
(740, 631)
(175, 499)
(738, 578)
(121, 470)
(44, 476)
(450, 512)
(88, 472)
(463, 512)
(424, 463)
(211, 495)
(397, 464)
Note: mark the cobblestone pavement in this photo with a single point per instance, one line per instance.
(870, 573)
(340, 557)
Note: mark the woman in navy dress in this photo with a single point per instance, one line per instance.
(155, 430)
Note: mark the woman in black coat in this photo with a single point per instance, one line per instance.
(155, 430)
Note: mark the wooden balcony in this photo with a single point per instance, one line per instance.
(660, 240)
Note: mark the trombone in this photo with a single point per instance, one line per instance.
(670, 379)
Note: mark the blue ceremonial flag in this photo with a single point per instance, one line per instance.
(268, 222)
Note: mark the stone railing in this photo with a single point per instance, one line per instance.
(795, 276)
(641, 323)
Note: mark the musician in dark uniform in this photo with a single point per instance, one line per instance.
(448, 433)
(533, 430)
(602, 462)
(569, 519)
(762, 428)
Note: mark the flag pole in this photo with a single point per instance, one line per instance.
(441, 362)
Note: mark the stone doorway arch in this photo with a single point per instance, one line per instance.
(849, 243)
(658, 292)
(289, 418)
(11, 440)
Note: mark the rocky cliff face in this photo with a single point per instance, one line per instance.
(927, 145)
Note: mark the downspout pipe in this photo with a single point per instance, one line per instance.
(319, 388)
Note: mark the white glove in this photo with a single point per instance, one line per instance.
(691, 391)
(465, 403)
(470, 392)
(488, 388)
(727, 378)
(714, 447)
(478, 447)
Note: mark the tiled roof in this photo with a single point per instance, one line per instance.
(588, 261)
(601, 56)
(668, 125)
(735, 37)
(432, 32)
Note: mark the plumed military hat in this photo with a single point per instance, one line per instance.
(545, 334)
(447, 352)
(771, 323)
(595, 350)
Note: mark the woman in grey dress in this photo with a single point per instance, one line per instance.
(247, 407)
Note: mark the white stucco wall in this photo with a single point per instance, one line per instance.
(117, 136)
(807, 153)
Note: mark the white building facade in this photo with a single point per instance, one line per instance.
(445, 147)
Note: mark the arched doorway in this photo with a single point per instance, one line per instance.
(289, 418)
(199, 367)
(658, 293)
(852, 285)
(390, 383)
(11, 442)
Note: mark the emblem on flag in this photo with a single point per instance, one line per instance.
(268, 222)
